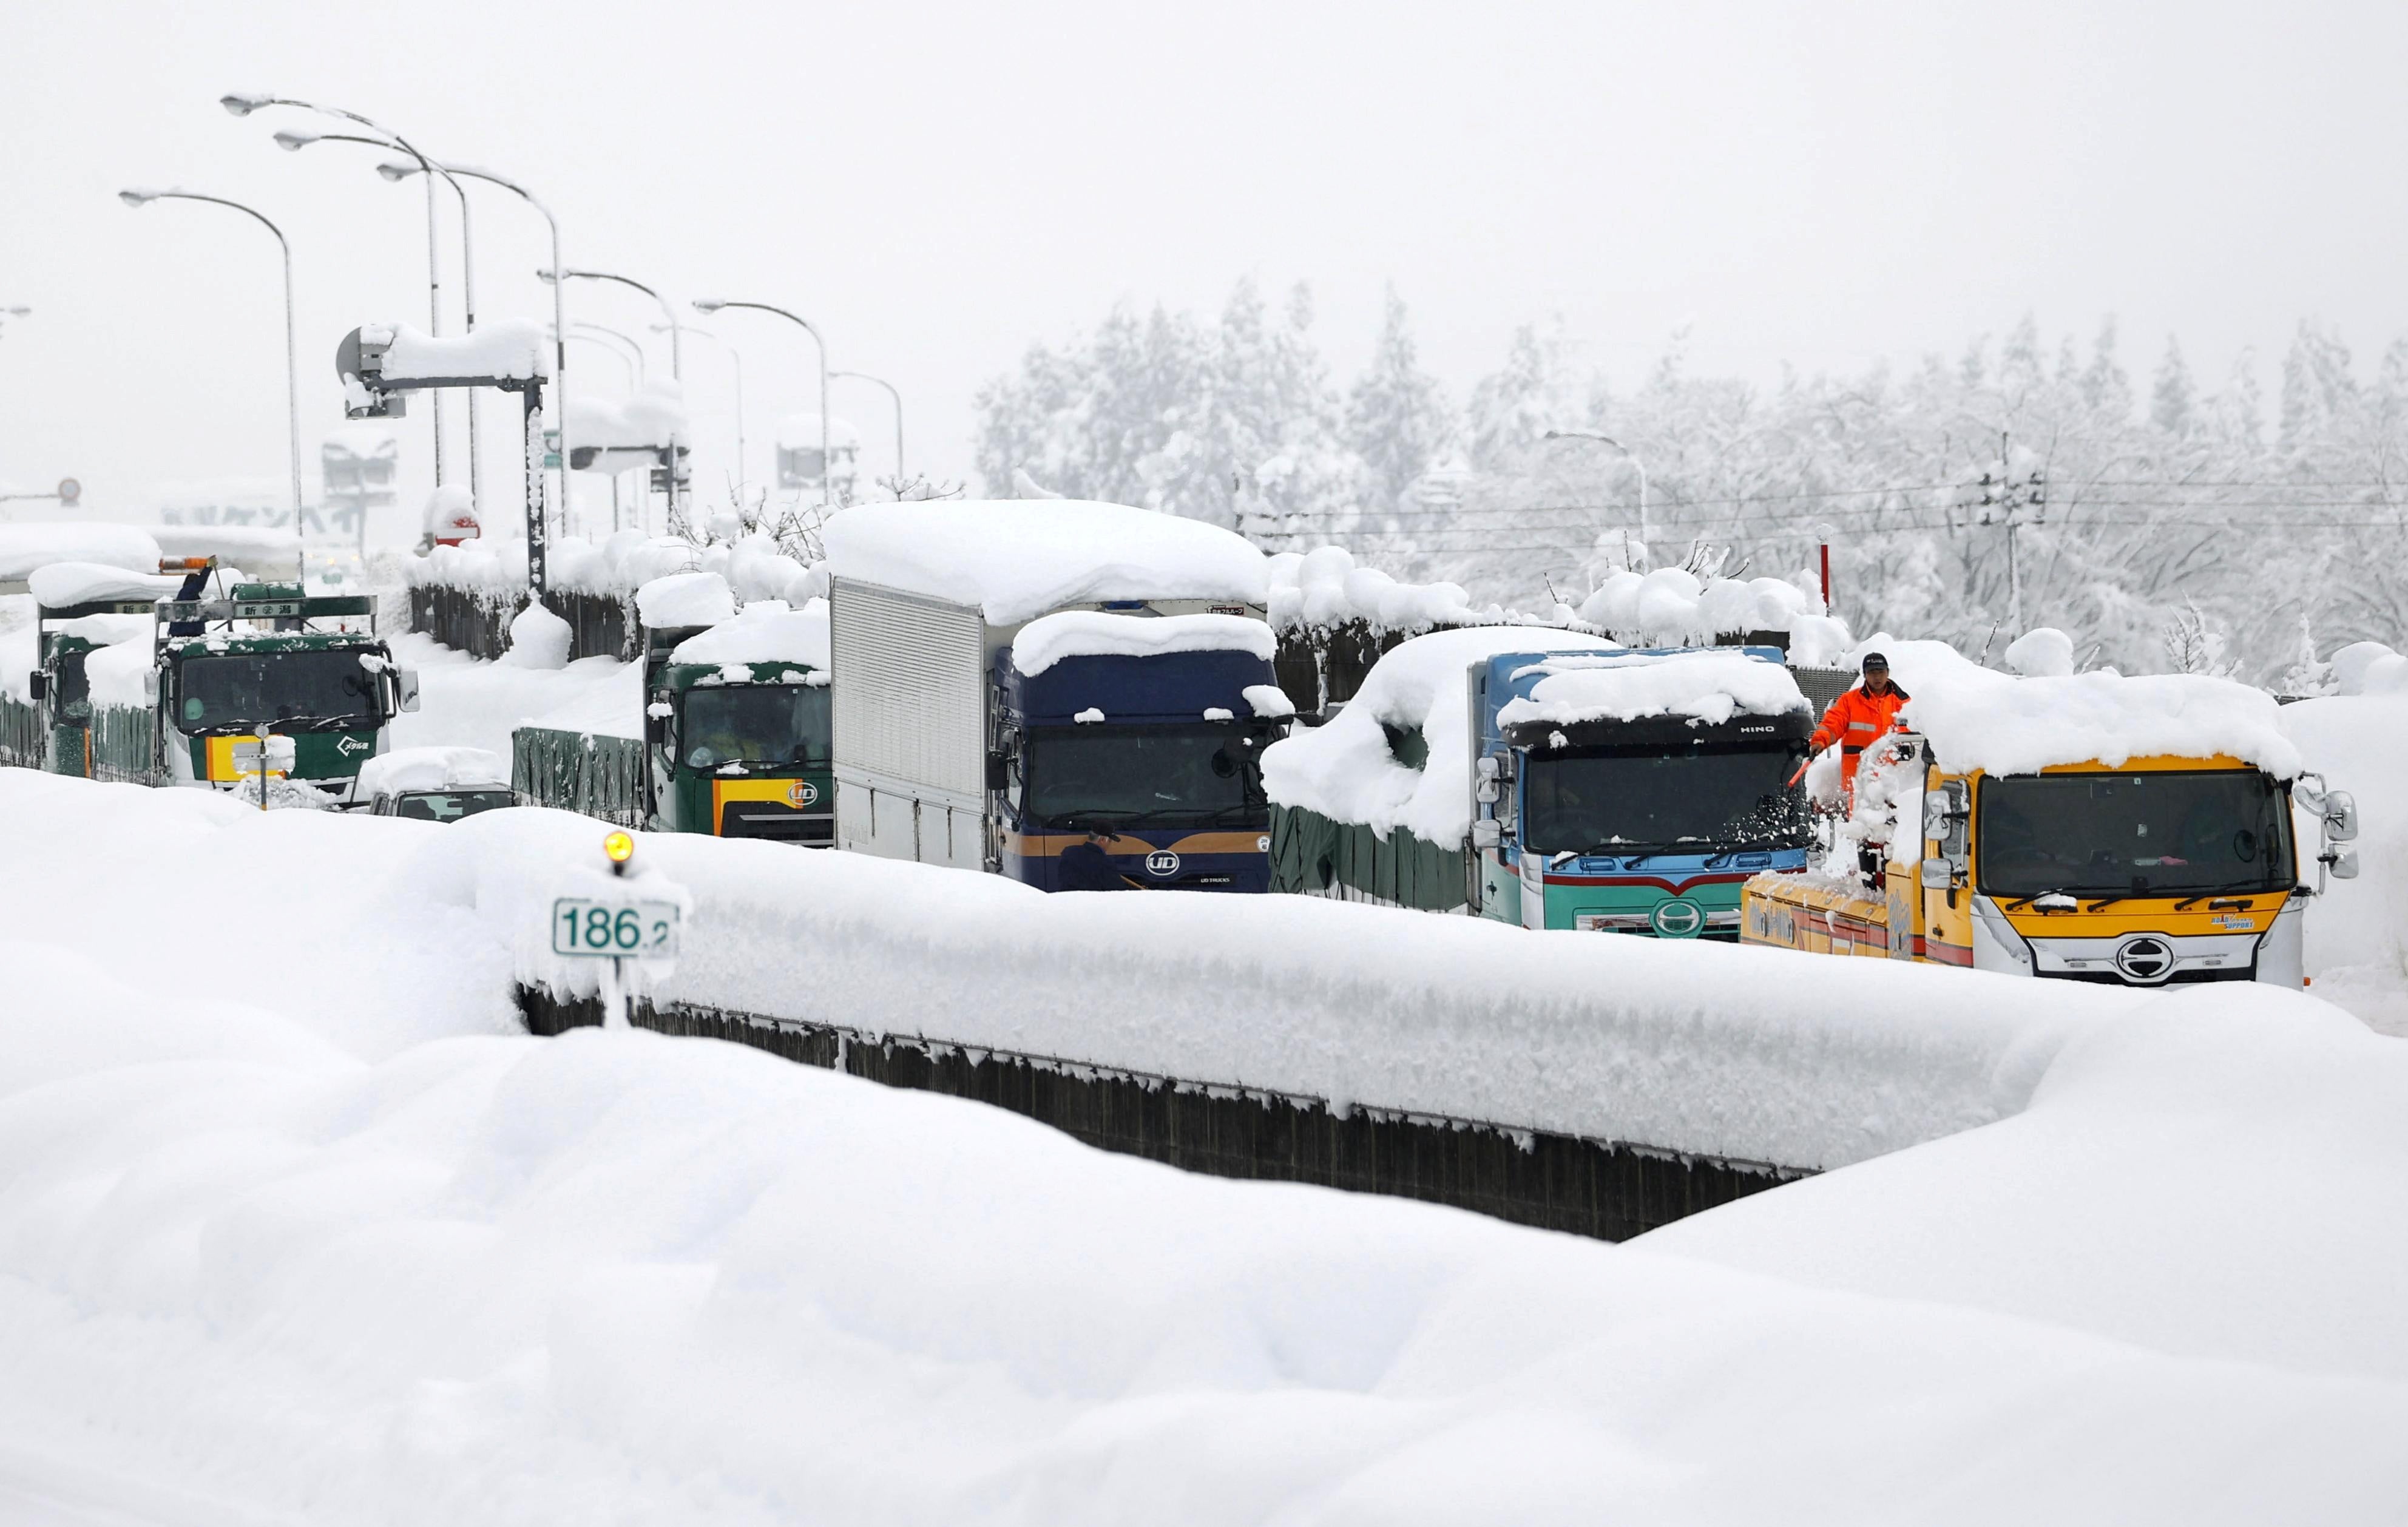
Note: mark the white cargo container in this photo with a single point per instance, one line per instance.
(925, 598)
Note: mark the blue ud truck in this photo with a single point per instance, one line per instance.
(1074, 695)
(1634, 791)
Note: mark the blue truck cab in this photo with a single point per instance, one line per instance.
(1634, 791)
(1122, 771)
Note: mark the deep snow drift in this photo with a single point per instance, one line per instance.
(273, 1247)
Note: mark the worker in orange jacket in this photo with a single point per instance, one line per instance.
(1861, 717)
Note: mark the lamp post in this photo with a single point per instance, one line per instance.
(827, 446)
(613, 351)
(560, 336)
(1644, 538)
(864, 375)
(737, 358)
(241, 104)
(291, 368)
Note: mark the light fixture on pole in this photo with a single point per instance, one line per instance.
(560, 346)
(1645, 537)
(864, 375)
(634, 347)
(292, 371)
(827, 446)
(293, 142)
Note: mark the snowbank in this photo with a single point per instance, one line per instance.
(468, 702)
(2042, 653)
(432, 769)
(1345, 769)
(496, 1280)
(509, 348)
(1979, 719)
(2358, 932)
(765, 631)
(1325, 588)
(1673, 608)
(1090, 633)
(1711, 686)
(1019, 560)
(26, 547)
(539, 638)
(61, 585)
(340, 1249)
(753, 566)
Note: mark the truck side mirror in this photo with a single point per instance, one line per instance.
(2345, 864)
(1486, 792)
(2341, 817)
(37, 685)
(656, 721)
(151, 687)
(406, 688)
(1938, 876)
(1486, 833)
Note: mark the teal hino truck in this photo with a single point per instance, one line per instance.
(1634, 791)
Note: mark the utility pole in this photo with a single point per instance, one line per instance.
(2009, 498)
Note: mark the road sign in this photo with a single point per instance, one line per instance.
(70, 491)
(245, 755)
(614, 929)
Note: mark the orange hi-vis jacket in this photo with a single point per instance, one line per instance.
(1855, 722)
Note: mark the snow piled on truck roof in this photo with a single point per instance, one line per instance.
(1018, 559)
(1325, 588)
(1102, 633)
(62, 585)
(1345, 769)
(763, 631)
(1708, 684)
(1980, 719)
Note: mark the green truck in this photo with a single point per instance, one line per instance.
(732, 738)
(146, 690)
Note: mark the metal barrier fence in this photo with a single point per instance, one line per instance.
(601, 776)
(1609, 1190)
(478, 621)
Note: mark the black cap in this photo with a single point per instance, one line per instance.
(1874, 660)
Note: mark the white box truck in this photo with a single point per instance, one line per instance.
(1073, 694)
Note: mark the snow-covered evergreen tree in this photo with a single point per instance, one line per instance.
(2173, 396)
(1395, 415)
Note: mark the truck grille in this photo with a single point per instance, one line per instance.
(780, 823)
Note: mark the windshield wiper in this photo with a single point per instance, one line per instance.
(2065, 891)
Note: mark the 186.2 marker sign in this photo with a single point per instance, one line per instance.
(646, 930)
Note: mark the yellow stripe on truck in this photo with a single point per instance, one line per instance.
(219, 753)
(802, 795)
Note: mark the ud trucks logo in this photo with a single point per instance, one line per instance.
(1162, 862)
(348, 745)
(1677, 919)
(803, 793)
(2144, 960)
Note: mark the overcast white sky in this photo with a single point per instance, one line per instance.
(937, 186)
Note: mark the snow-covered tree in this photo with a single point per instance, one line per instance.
(2173, 396)
(1395, 415)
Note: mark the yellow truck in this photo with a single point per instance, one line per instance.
(2161, 867)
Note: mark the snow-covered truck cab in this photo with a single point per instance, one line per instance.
(1130, 748)
(1076, 695)
(736, 726)
(2129, 831)
(1635, 792)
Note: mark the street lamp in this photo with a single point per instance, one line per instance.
(291, 142)
(864, 375)
(735, 356)
(556, 276)
(560, 337)
(1644, 539)
(292, 371)
(634, 347)
(242, 104)
(827, 446)
(614, 352)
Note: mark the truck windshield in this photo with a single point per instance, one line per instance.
(1685, 803)
(2153, 834)
(1203, 775)
(451, 805)
(778, 725)
(319, 687)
